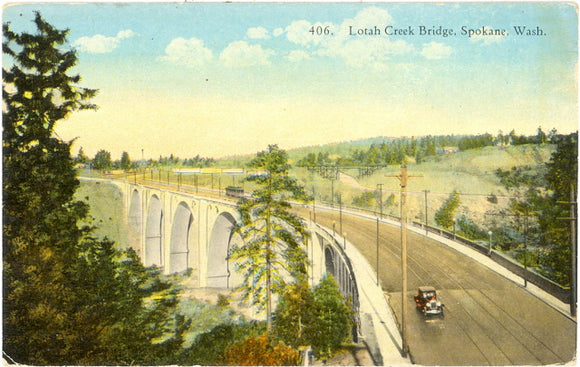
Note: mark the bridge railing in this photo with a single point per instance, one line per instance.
(173, 180)
(556, 290)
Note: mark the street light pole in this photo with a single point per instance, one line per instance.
(489, 251)
(426, 217)
(378, 251)
(380, 187)
(404, 256)
(340, 210)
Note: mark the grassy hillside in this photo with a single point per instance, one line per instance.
(471, 173)
(107, 211)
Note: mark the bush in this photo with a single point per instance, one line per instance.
(320, 318)
(470, 230)
(258, 351)
(444, 216)
(295, 316)
(332, 324)
(209, 349)
(528, 258)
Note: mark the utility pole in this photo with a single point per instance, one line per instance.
(426, 217)
(314, 202)
(340, 210)
(332, 192)
(573, 247)
(380, 187)
(403, 180)
(378, 251)
(404, 306)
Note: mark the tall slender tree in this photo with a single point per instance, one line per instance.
(274, 238)
(68, 298)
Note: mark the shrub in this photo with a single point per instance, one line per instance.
(258, 351)
(444, 216)
(332, 324)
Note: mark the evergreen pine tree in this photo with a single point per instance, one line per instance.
(274, 238)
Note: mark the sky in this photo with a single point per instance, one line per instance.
(223, 79)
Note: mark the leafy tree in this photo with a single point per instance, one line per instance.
(295, 318)
(444, 217)
(541, 137)
(365, 200)
(209, 349)
(259, 351)
(332, 323)
(561, 180)
(68, 297)
(543, 196)
(318, 317)
(274, 238)
(102, 160)
(126, 161)
(82, 157)
(38, 185)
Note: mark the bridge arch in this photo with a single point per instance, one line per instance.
(181, 238)
(154, 233)
(218, 271)
(329, 259)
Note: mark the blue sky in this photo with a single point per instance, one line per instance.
(220, 79)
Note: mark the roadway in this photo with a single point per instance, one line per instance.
(489, 320)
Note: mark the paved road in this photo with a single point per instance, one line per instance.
(488, 320)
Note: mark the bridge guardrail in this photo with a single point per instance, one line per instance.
(556, 290)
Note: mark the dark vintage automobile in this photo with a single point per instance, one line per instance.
(426, 301)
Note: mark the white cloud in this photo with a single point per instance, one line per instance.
(436, 50)
(126, 34)
(368, 51)
(297, 32)
(278, 31)
(99, 44)
(190, 53)
(298, 55)
(241, 54)
(335, 40)
(257, 33)
(370, 17)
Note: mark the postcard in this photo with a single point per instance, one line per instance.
(343, 183)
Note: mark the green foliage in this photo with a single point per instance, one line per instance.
(82, 157)
(126, 161)
(273, 237)
(528, 258)
(69, 298)
(332, 324)
(470, 230)
(295, 317)
(544, 200)
(474, 142)
(445, 216)
(320, 317)
(561, 179)
(518, 176)
(259, 351)
(102, 160)
(209, 349)
(365, 200)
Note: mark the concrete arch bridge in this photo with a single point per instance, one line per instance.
(181, 232)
